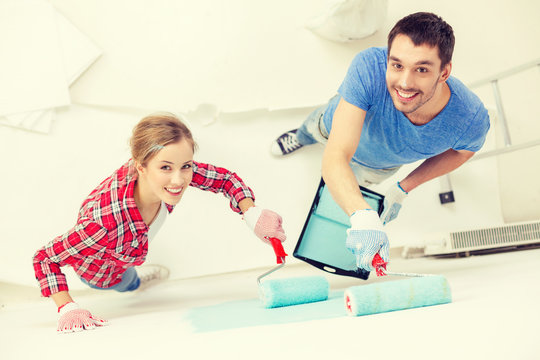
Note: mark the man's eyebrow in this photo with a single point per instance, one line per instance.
(425, 62)
(421, 62)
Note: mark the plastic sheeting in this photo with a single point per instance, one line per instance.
(42, 54)
(349, 20)
(237, 55)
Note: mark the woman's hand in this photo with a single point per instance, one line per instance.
(72, 319)
(265, 223)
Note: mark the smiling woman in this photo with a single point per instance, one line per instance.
(162, 148)
(120, 217)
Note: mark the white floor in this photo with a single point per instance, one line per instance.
(494, 315)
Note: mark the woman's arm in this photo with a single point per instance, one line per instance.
(83, 240)
(68, 249)
(216, 179)
(245, 204)
(264, 223)
(61, 298)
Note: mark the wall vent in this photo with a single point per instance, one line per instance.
(506, 237)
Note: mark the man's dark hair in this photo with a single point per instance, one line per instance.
(426, 28)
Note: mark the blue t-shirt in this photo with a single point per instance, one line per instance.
(388, 138)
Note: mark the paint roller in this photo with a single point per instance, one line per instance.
(417, 291)
(290, 291)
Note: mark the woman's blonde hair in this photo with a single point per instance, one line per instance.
(156, 131)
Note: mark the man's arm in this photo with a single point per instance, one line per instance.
(366, 236)
(342, 143)
(434, 167)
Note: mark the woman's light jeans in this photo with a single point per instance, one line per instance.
(130, 282)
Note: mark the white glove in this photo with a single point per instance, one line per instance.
(366, 237)
(392, 203)
(72, 318)
(264, 223)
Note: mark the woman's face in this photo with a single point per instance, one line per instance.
(169, 172)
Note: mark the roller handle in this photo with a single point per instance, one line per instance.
(278, 249)
(379, 264)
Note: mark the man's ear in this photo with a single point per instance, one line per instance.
(446, 70)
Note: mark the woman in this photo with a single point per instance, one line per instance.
(122, 215)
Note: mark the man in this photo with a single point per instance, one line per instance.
(397, 105)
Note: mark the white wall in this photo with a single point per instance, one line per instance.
(45, 177)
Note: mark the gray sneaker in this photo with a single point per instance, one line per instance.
(285, 144)
(151, 275)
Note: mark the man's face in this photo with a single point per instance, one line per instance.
(413, 74)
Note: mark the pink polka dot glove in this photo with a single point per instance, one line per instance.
(72, 319)
(264, 223)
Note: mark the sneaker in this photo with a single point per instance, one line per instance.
(285, 144)
(150, 275)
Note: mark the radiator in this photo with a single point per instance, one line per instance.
(506, 237)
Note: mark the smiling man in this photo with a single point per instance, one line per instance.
(397, 105)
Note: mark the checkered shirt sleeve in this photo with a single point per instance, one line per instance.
(80, 243)
(217, 179)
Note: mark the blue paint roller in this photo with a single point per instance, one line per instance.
(417, 291)
(292, 291)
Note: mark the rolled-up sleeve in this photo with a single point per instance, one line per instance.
(83, 240)
(217, 179)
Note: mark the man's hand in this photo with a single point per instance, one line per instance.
(392, 203)
(366, 238)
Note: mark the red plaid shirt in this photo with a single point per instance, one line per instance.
(110, 234)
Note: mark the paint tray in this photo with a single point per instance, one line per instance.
(322, 241)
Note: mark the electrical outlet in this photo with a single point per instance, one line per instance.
(446, 197)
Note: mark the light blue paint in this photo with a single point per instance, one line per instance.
(325, 234)
(246, 313)
(398, 295)
(329, 209)
(292, 291)
(324, 241)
